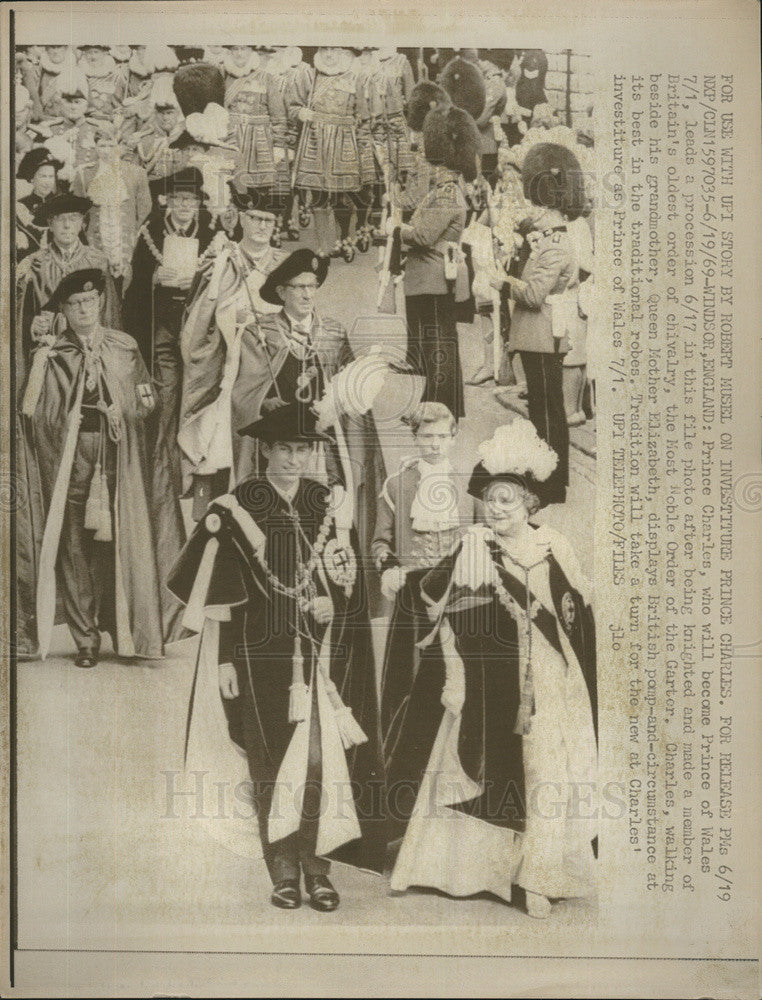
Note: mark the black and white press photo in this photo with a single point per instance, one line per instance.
(305, 437)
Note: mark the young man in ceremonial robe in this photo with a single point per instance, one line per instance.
(272, 582)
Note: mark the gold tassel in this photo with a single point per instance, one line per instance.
(105, 528)
(349, 729)
(93, 505)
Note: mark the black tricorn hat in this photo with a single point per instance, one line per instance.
(424, 97)
(292, 422)
(464, 82)
(451, 138)
(196, 85)
(84, 280)
(31, 162)
(304, 261)
(552, 178)
(60, 204)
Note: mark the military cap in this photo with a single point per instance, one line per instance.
(304, 261)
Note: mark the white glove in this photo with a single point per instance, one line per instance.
(279, 153)
(305, 114)
(392, 581)
(228, 680)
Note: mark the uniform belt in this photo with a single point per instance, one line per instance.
(322, 116)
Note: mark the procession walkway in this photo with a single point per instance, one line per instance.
(110, 856)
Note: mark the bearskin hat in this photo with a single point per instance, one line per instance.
(424, 97)
(196, 85)
(535, 60)
(451, 138)
(465, 84)
(552, 178)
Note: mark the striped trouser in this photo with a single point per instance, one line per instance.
(545, 401)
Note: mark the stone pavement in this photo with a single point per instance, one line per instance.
(109, 853)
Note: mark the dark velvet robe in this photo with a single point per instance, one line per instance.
(265, 361)
(37, 277)
(259, 641)
(148, 526)
(486, 639)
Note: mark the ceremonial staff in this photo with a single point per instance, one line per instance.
(391, 262)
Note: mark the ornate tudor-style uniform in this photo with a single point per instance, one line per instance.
(306, 713)
(335, 150)
(259, 121)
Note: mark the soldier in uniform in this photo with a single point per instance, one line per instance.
(451, 143)
(57, 65)
(545, 299)
(164, 264)
(105, 531)
(258, 117)
(151, 144)
(100, 70)
(291, 73)
(292, 660)
(334, 157)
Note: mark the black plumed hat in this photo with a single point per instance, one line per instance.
(552, 178)
(451, 138)
(293, 422)
(31, 162)
(424, 97)
(61, 204)
(303, 261)
(465, 84)
(85, 280)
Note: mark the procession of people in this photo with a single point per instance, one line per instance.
(195, 432)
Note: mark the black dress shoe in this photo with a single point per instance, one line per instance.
(322, 894)
(286, 894)
(86, 658)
